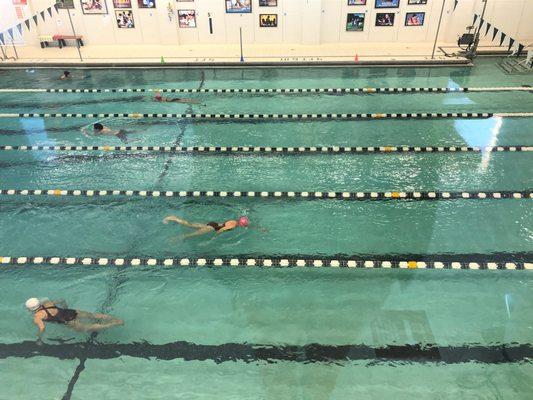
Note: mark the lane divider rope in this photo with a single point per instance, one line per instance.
(266, 149)
(280, 90)
(326, 116)
(432, 195)
(275, 262)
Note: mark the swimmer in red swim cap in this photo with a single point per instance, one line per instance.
(202, 228)
(162, 99)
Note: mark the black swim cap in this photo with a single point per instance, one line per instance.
(98, 126)
(66, 73)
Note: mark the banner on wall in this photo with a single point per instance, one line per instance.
(503, 36)
(10, 33)
(20, 2)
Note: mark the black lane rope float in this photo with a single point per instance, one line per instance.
(271, 353)
(259, 117)
(279, 150)
(280, 90)
(273, 262)
(311, 195)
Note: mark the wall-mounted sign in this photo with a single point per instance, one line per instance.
(20, 2)
(66, 4)
(268, 20)
(146, 3)
(94, 6)
(239, 6)
(387, 3)
(122, 3)
(357, 2)
(385, 19)
(414, 19)
(187, 18)
(124, 19)
(355, 22)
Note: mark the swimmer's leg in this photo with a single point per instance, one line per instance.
(80, 327)
(88, 315)
(183, 222)
(199, 232)
(122, 136)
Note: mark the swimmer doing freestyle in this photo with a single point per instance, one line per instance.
(57, 312)
(203, 228)
(162, 99)
(99, 129)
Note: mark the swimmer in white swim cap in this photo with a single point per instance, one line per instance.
(59, 313)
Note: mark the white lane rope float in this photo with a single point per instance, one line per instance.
(279, 150)
(280, 90)
(266, 262)
(316, 195)
(259, 117)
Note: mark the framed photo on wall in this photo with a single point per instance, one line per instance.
(357, 2)
(268, 20)
(387, 3)
(93, 6)
(385, 19)
(66, 4)
(187, 18)
(146, 3)
(122, 3)
(238, 6)
(414, 19)
(124, 19)
(268, 3)
(410, 2)
(355, 22)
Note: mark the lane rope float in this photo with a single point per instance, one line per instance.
(266, 149)
(280, 90)
(316, 195)
(327, 116)
(279, 150)
(275, 262)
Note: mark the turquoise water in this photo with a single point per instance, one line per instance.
(217, 310)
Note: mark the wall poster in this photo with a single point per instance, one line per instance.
(122, 3)
(387, 3)
(357, 2)
(355, 22)
(268, 3)
(146, 3)
(239, 6)
(94, 6)
(414, 19)
(124, 19)
(66, 4)
(187, 18)
(417, 2)
(385, 19)
(268, 20)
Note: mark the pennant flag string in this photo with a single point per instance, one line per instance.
(488, 28)
(511, 42)
(42, 15)
(49, 9)
(455, 5)
(502, 38)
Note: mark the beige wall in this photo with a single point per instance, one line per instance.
(299, 21)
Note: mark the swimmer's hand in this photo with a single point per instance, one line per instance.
(169, 219)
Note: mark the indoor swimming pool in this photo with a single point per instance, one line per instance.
(387, 256)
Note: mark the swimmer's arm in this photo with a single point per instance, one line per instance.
(40, 324)
(224, 229)
(61, 303)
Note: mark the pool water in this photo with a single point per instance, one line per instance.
(270, 333)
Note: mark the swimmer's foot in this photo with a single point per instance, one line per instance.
(171, 218)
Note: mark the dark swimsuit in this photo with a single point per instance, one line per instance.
(216, 226)
(63, 315)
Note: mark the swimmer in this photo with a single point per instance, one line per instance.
(99, 129)
(57, 312)
(202, 229)
(162, 99)
(66, 75)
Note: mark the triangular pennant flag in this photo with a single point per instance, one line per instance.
(496, 30)
(475, 19)
(455, 5)
(27, 22)
(520, 49)
(56, 6)
(42, 15)
(35, 19)
(10, 33)
(481, 24)
(511, 42)
(488, 28)
(2, 37)
(19, 28)
(502, 38)
(49, 9)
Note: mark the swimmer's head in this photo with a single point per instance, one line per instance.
(33, 304)
(66, 73)
(243, 221)
(158, 96)
(98, 126)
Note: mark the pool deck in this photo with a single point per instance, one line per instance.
(346, 54)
